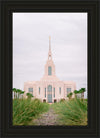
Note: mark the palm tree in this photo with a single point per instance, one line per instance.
(19, 91)
(82, 90)
(76, 92)
(14, 90)
(70, 95)
(22, 92)
(29, 95)
(16, 93)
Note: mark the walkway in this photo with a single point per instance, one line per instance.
(48, 118)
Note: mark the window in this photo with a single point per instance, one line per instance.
(49, 88)
(39, 90)
(68, 90)
(54, 91)
(59, 90)
(49, 70)
(45, 92)
(30, 89)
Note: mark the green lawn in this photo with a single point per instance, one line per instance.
(72, 112)
(24, 110)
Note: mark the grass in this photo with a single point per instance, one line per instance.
(24, 110)
(72, 112)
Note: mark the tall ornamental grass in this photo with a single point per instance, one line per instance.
(72, 112)
(24, 110)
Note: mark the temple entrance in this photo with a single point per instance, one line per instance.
(55, 100)
(44, 101)
(49, 94)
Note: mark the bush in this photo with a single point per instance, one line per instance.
(70, 95)
(72, 112)
(24, 110)
(62, 100)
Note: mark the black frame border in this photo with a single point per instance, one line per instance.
(89, 6)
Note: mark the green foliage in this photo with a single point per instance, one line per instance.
(76, 91)
(69, 95)
(24, 110)
(15, 91)
(82, 90)
(72, 112)
(20, 92)
(29, 95)
(62, 100)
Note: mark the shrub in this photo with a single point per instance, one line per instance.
(70, 95)
(72, 112)
(25, 110)
(29, 95)
(62, 100)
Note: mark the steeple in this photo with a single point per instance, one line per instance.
(49, 72)
(49, 53)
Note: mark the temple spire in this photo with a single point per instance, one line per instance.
(49, 54)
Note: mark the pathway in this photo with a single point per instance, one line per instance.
(48, 118)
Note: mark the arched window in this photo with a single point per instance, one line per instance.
(49, 70)
(39, 90)
(49, 88)
(54, 92)
(45, 92)
(59, 90)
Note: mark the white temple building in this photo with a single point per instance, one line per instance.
(50, 88)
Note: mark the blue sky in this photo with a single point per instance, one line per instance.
(68, 33)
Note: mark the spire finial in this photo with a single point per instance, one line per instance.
(49, 54)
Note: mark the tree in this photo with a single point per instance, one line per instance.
(76, 92)
(82, 90)
(19, 92)
(70, 95)
(29, 95)
(22, 92)
(15, 91)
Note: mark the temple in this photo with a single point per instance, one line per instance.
(49, 89)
